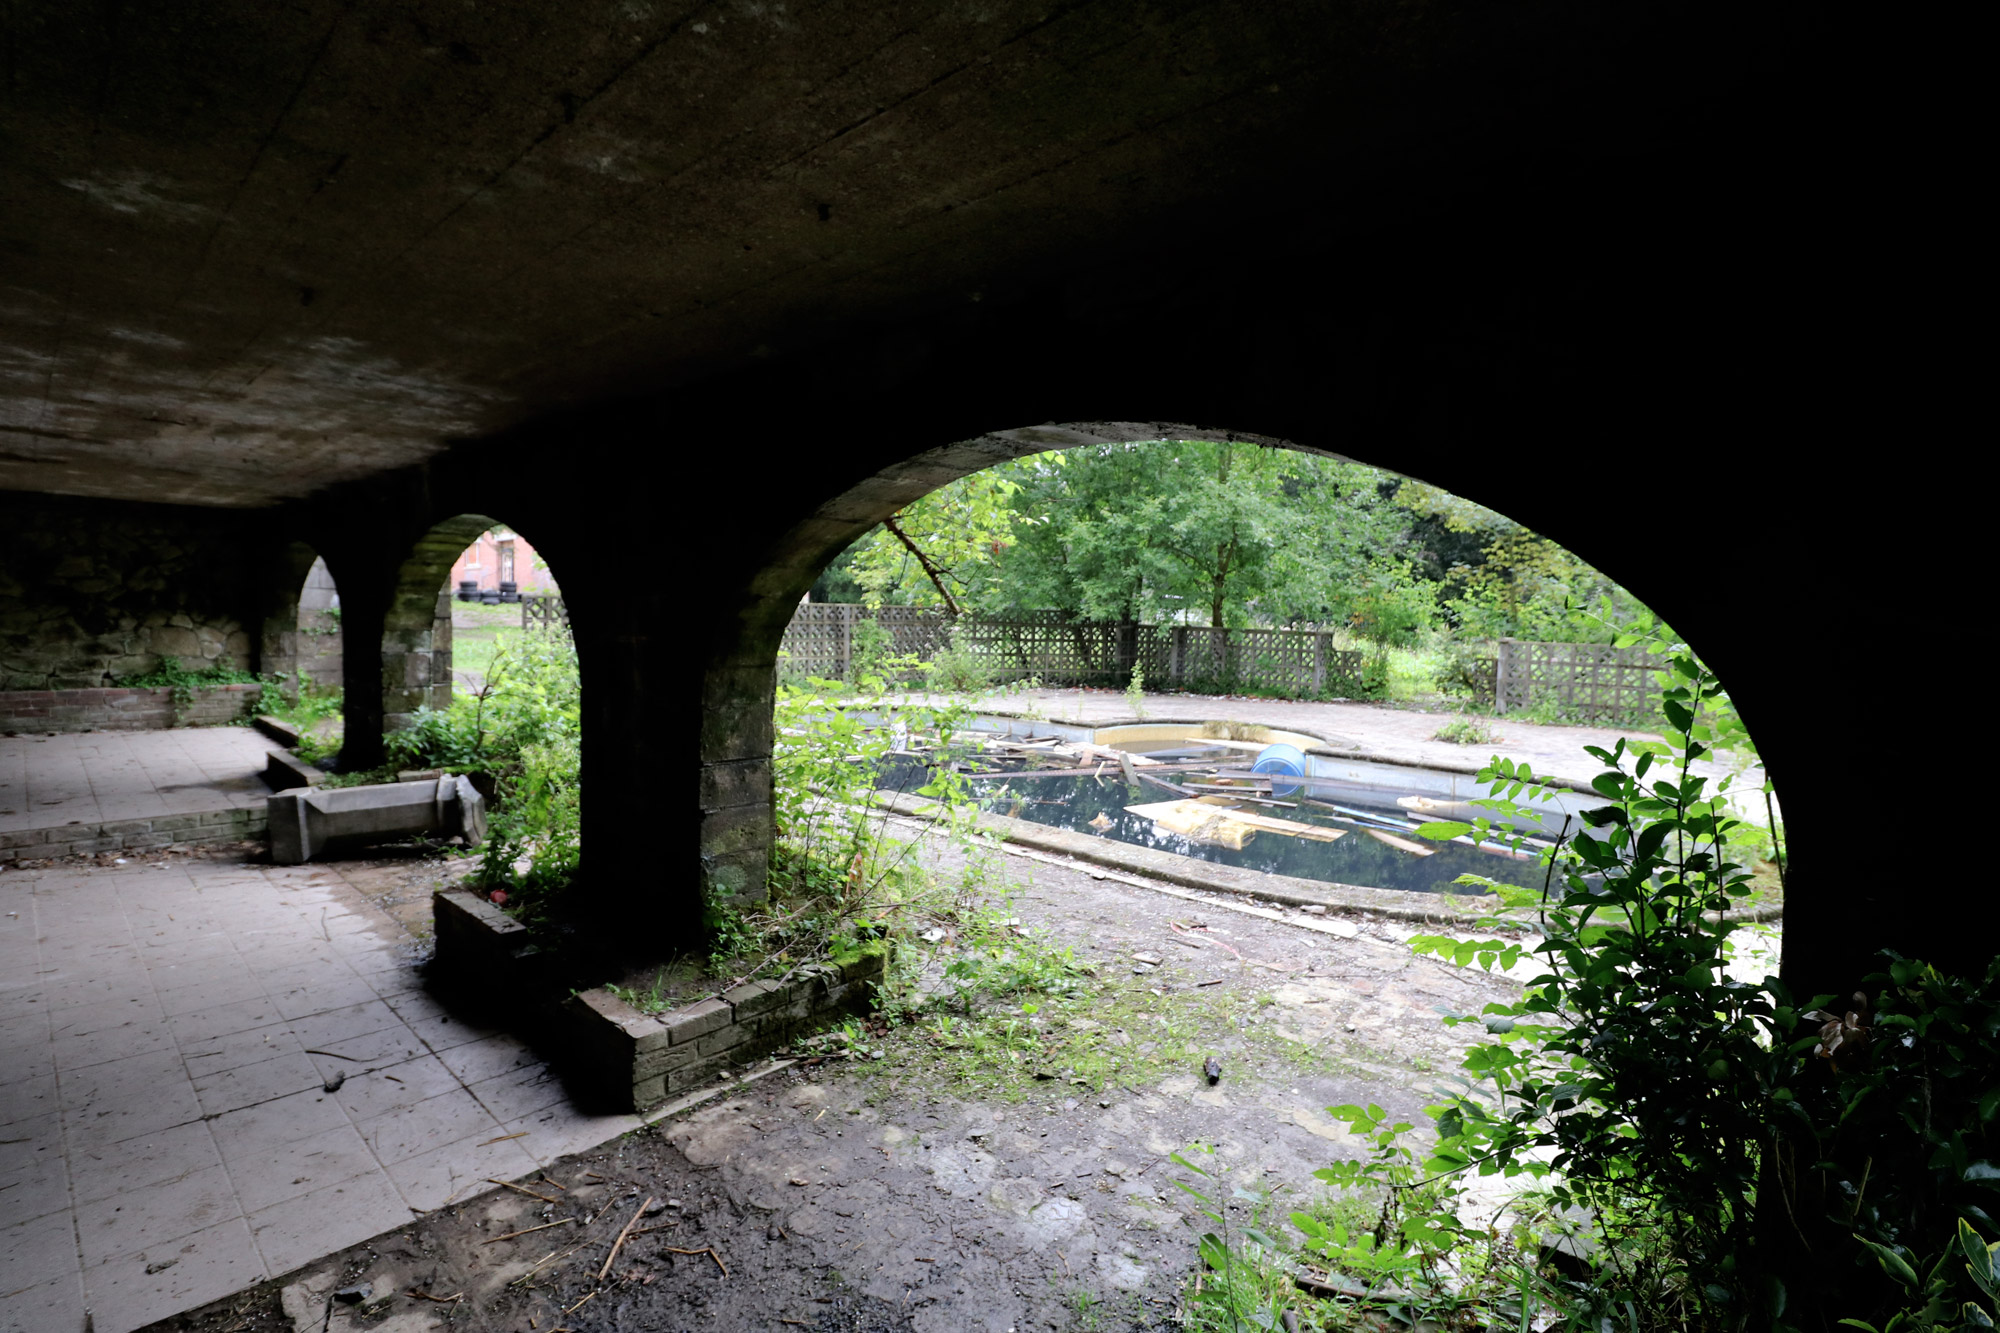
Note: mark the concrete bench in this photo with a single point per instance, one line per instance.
(310, 821)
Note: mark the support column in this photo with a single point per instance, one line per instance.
(1127, 652)
(362, 615)
(1504, 664)
(736, 782)
(440, 693)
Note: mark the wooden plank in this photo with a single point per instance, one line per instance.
(1171, 813)
(1400, 844)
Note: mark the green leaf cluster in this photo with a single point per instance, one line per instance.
(183, 682)
(1724, 1149)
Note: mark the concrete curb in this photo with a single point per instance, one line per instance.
(1328, 746)
(1186, 871)
(1189, 873)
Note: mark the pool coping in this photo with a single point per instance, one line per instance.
(1188, 872)
(1328, 746)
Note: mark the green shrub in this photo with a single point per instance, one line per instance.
(169, 674)
(1465, 731)
(1466, 670)
(957, 668)
(1727, 1152)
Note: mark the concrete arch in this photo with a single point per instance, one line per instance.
(295, 636)
(1545, 372)
(278, 641)
(416, 627)
(736, 772)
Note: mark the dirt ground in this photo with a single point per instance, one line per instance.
(920, 1183)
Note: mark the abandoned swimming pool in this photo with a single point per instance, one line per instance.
(1344, 821)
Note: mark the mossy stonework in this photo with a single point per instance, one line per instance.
(622, 1058)
(639, 1060)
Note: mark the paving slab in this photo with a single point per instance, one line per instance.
(213, 1073)
(94, 777)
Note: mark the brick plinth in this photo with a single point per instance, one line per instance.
(633, 1060)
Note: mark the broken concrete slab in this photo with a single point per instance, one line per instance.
(283, 771)
(279, 730)
(309, 822)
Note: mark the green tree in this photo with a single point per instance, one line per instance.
(942, 550)
(1219, 531)
(1520, 584)
(1230, 531)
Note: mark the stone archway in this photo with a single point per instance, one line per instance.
(301, 635)
(416, 631)
(739, 685)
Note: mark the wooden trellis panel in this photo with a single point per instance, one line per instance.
(1055, 651)
(1047, 646)
(1589, 681)
(540, 611)
(1301, 663)
(819, 641)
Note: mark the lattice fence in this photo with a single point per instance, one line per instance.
(1300, 663)
(1588, 681)
(541, 611)
(1049, 647)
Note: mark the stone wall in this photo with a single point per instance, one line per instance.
(91, 592)
(118, 709)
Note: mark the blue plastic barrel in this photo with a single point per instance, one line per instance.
(1281, 758)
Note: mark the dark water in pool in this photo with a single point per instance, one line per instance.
(1072, 801)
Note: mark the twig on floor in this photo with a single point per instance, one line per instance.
(560, 1222)
(518, 1190)
(619, 1243)
(708, 1250)
(544, 1259)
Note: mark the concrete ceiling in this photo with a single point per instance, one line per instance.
(251, 250)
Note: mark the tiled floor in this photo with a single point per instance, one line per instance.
(98, 776)
(167, 1035)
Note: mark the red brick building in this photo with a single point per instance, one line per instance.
(502, 556)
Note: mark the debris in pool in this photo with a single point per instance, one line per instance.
(1400, 844)
(1102, 822)
(1216, 819)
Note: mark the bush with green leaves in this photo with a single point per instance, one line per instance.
(182, 682)
(957, 668)
(1465, 669)
(1726, 1153)
(532, 696)
(835, 871)
(524, 728)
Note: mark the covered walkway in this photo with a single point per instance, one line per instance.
(218, 1070)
